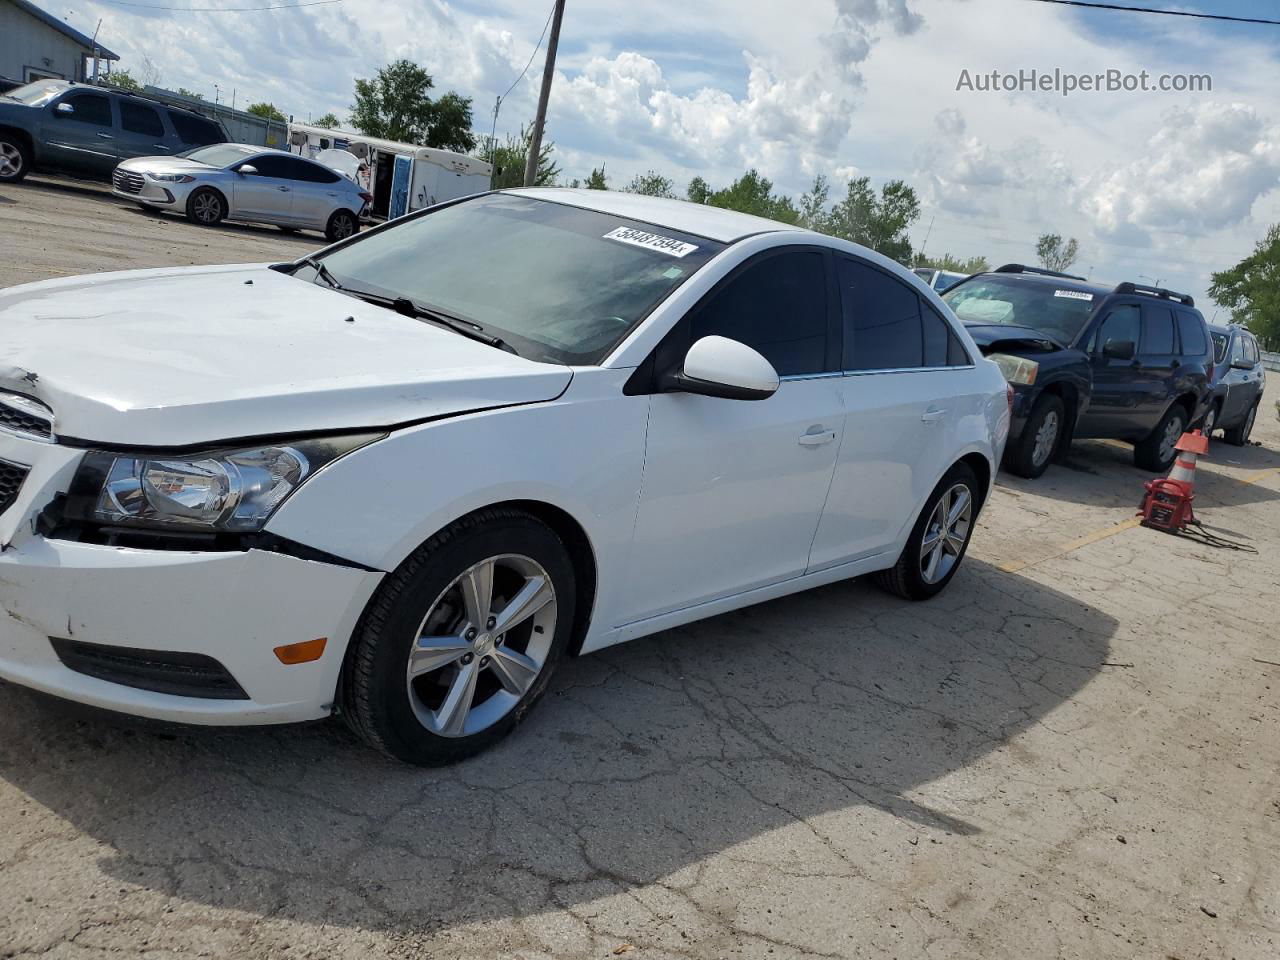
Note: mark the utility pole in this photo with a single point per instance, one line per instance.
(535, 138)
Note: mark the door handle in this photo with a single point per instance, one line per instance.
(105, 136)
(283, 189)
(817, 439)
(160, 146)
(933, 415)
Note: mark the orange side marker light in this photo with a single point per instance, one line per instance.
(304, 652)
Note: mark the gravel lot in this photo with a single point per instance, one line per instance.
(1074, 752)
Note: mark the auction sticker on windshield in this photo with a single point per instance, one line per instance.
(1073, 294)
(651, 241)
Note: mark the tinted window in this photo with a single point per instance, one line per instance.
(882, 329)
(777, 305)
(1157, 331)
(942, 348)
(1191, 331)
(1121, 324)
(196, 130)
(90, 108)
(139, 118)
(312, 172)
(276, 165)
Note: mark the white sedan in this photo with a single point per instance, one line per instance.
(402, 479)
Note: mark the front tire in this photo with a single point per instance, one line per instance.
(342, 224)
(1156, 452)
(938, 540)
(458, 644)
(206, 207)
(1032, 454)
(1210, 420)
(15, 159)
(1239, 436)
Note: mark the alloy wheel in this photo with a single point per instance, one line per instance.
(10, 161)
(208, 208)
(481, 646)
(946, 533)
(343, 227)
(1169, 441)
(1210, 421)
(1046, 438)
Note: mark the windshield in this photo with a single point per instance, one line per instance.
(1058, 310)
(555, 282)
(1220, 343)
(39, 93)
(946, 280)
(220, 154)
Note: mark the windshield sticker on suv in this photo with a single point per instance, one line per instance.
(1073, 294)
(651, 241)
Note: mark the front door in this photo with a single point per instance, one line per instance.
(733, 489)
(1115, 405)
(80, 133)
(265, 195)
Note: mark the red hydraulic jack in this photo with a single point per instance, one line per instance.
(1167, 504)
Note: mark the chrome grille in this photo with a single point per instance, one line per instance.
(127, 182)
(11, 477)
(25, 417)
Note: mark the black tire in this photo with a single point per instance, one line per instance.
(1238, 436)
(906, 578)
(1021, 458)
(1146, 452)
(206, 207)
(15, 159)
(376, 700)
(342, 224)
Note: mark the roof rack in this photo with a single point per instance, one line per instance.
(1184, 298)
(1023, 268)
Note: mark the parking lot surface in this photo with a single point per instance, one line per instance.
(1073, 752)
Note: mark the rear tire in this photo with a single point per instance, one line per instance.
(206, 207)
(342, 224)
(15, 159)
(1211, 420)
(1040, 438)
(1239, 436)
(436, 702)
(933, 551)
(1155, 452)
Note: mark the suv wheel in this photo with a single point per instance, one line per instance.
(1041, 434)
(939, 539)
(1210, 421)
(1156, 451)
(460, 641)
(15, 159)
(1239, 436)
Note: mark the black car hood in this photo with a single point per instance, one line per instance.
(990, 336)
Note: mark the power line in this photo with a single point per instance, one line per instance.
(274, 6)
(1091, 5)
(536, 48)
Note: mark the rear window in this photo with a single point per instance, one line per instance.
(1191, 330)
(195, 130)
(1157, 331)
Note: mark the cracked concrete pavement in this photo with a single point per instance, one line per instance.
(1071, 753)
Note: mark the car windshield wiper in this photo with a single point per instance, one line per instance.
(322, 272)
(403, 305)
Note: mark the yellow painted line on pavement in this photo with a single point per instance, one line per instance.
(1015, 565)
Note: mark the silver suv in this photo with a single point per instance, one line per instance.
(75, 128)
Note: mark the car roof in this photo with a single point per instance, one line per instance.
(703, 220)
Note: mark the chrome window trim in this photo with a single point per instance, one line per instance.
(865, 373)
(810, 376)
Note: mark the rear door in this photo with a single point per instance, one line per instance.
(142, 132)
(315, 193)
(1158, 360)
(1116, 400)
(267, 194)
(79, 132)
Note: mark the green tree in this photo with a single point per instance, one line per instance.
(813, 205)
(1054, 254)
(268, 111)
(328, 121)
(1251, 289)
(395, 105)
(879, 221)
(652, 184)
(698, 191)
(752, 193)
(184, 92)
(953, 263)
(124, 80)
(509, 157)
(596, 179)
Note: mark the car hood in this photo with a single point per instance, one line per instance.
(203, 354)
(163, 164)
(992, 336)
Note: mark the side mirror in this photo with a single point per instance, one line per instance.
(64, 109)
(247, 170)
(720, 367)
(1118, 349)
(1241, 364)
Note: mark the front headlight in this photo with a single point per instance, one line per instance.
(231, 490)
(171, 177)
(1017, 370)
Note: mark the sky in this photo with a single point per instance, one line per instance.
(1166, 186)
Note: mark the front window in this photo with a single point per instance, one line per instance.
(39, 93)
(556, 282)
(1060, 310)
(220, 155)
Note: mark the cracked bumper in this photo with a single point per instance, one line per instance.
(235, 607)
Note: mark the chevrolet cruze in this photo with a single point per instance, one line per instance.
(403, 478)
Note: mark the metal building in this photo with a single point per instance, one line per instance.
(35, 45)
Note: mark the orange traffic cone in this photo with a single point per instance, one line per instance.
(1192, 446)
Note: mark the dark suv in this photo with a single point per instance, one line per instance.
(1086, 360)
(83, 130)
(1238, 381)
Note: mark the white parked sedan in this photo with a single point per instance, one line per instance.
(402, 479)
